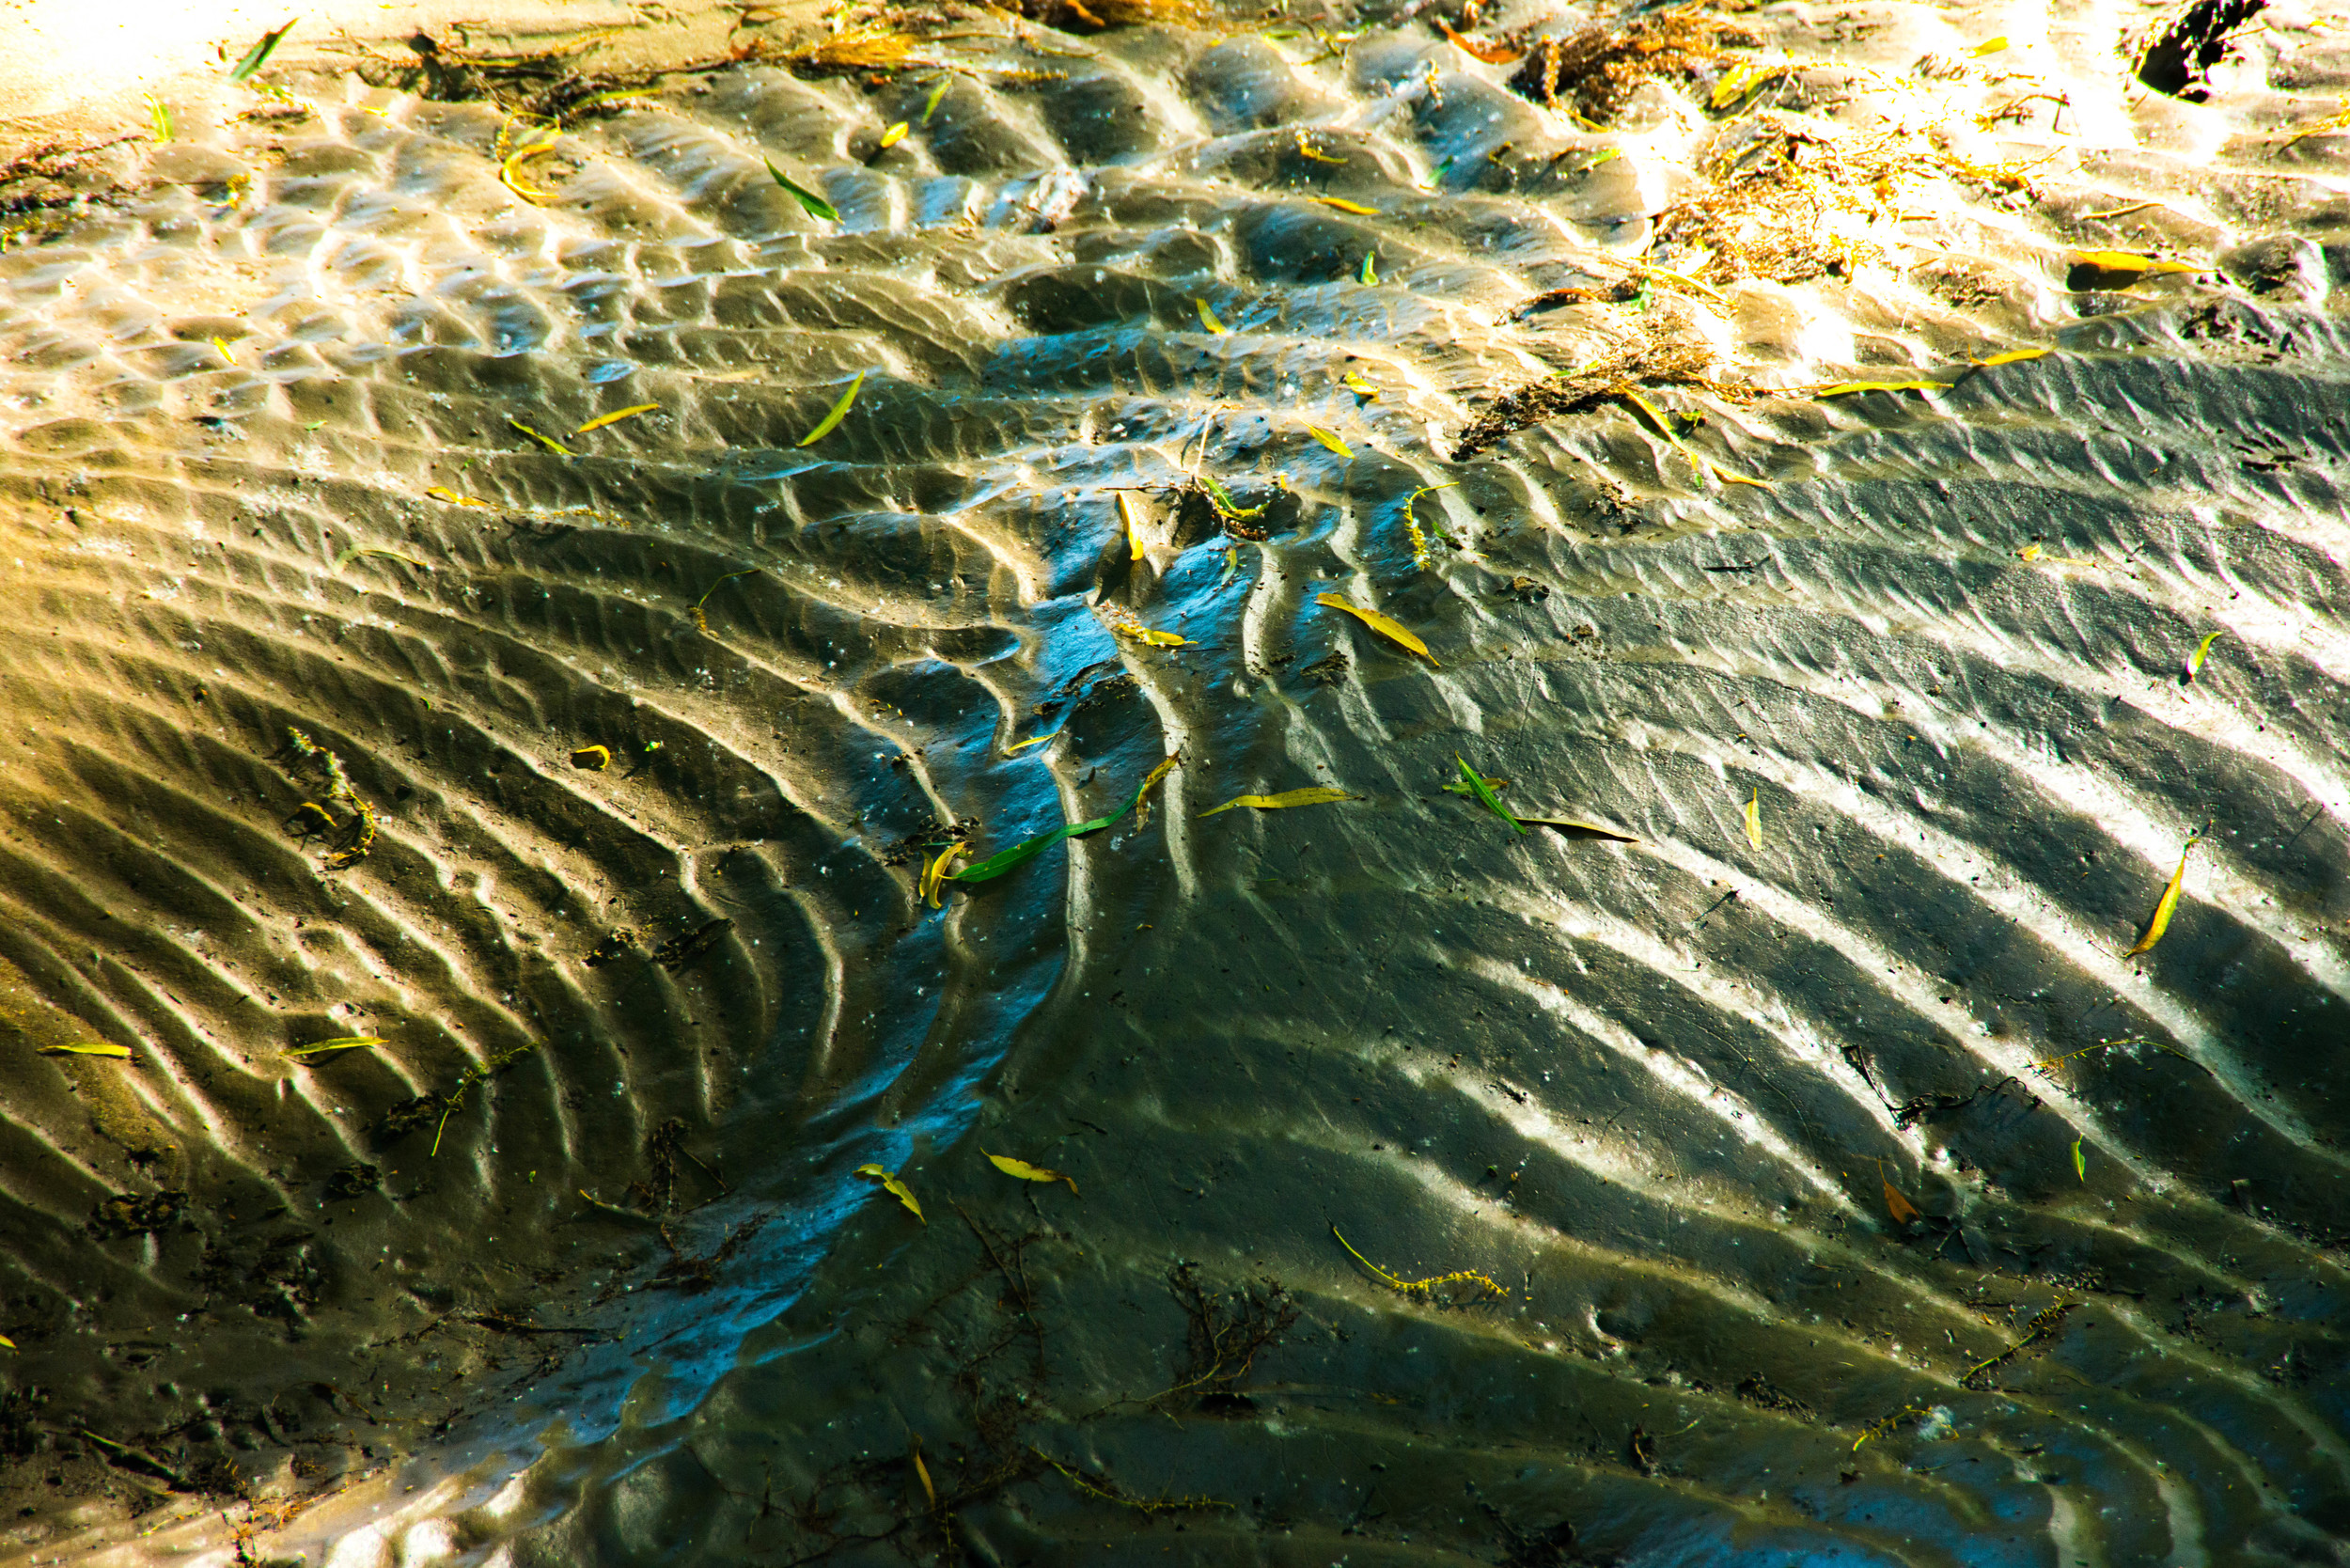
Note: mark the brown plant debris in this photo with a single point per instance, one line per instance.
(1666, 353)
(1592, 73)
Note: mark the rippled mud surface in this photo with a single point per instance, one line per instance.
(1802, 1172)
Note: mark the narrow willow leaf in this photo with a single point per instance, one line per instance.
(1142, 801)
(358, 550)
(923, 1471)
(1901, 1208)
(1313, 152)
(257, 56)
(87, 1048)
(615, 417)
(2080, 1163)
(158, 120)
(889, 1179)
(1393, 630)
(1207, 316)
(1313, 795)
(2128, 261)
(1327, 439)
(1411, 523)
(1754, 819)
(1665, 427)
(1033, 739)
(934, 872)
(442, 493)
(1569, 828)
(1133, 513)
(1370, 275)
(895, 134)
(2013, 356)
(1028, 1172)
(541, 437)
(1357, 208)
(1484, 793)
(2203, 651)
(325, 1048)
(1027, 849)
(840, 411)
(938, 96)
(1224, 501)
(1844, 388)
(7, 1344)
(2164, 910)
(817, 206)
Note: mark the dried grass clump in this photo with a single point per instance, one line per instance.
(1664, 350)
(1594, 72)
(1787, 203)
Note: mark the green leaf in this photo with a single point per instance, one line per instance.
(839, 410)
(1485, 795)
(817, 206)
(1370, 275)
(348, 1042)
(257, 56)
(1028, 848)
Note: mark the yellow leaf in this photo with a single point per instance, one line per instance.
(1358, 386)
(595, 759)
(1142, 806)
(547, 441)
(226, 351)
(2013, 356)
(7, 1344)
(1345, 206)
(1133, 512)
(1330, 441)
(1379, 623)
(1843, 387)
(840, 411)
(1901, 1208)
(1028, 1172)
(1573, 829)
(895, 134)
(2104, 269)
(1735, 81)
(2080, 1163)
(1207, 316)
(2164, 910)
(1033, 739)
(442, 492)
(1156, 638)
(889, 1179)
(1726, 476)
(92, 1048)
(2203, 651)
(615, 417)
(1313, 152)
(1988, 46)
(1754, 819)
(922, 1473)
(1313, 795)
(348, 1043)
(935, 872)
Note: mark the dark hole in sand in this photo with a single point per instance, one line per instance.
(2179, 58)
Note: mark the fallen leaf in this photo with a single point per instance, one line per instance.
(938, 96)
(615, 417)
(1313, 795)
(817, 206)
(442, 492)
(1142, 801)
(541, 437)
(889, 1179)
(1330, 441)
(895, 134)
(1392, 630)
(1226, 504)
(1735, 81)
(1028, 1172)
(1901, 1208)
(1844, 387)
(1491, 53)
(934, 871)
(1027, 849)
(1033, 739)
(1754, 819)
(89, 1048)
(595, 759)
(1355, 384)
(1988, 46)
(1313, 152)
(1133, 512)
(2080, 1163)
(1573, 829)
(1485, 796)
(923, 1471)
(257, 56)
(7, 1344)
(348, 1043)
(840, 411)
(2013, 356)
(2117, 269)
(1207, 316)
(1155, 637)
(2203, 651)
(1357, 208)
(358, 550)
(1369, 277)
(2164, 910)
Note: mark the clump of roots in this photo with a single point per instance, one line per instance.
(1592, 73)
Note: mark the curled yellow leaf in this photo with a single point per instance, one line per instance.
(1313, 795)
(2166, 908)
(935, 873)
(1028, 1172)
(2203, 651)
(1133, 513)
(1393, 630)
(889, 1179)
